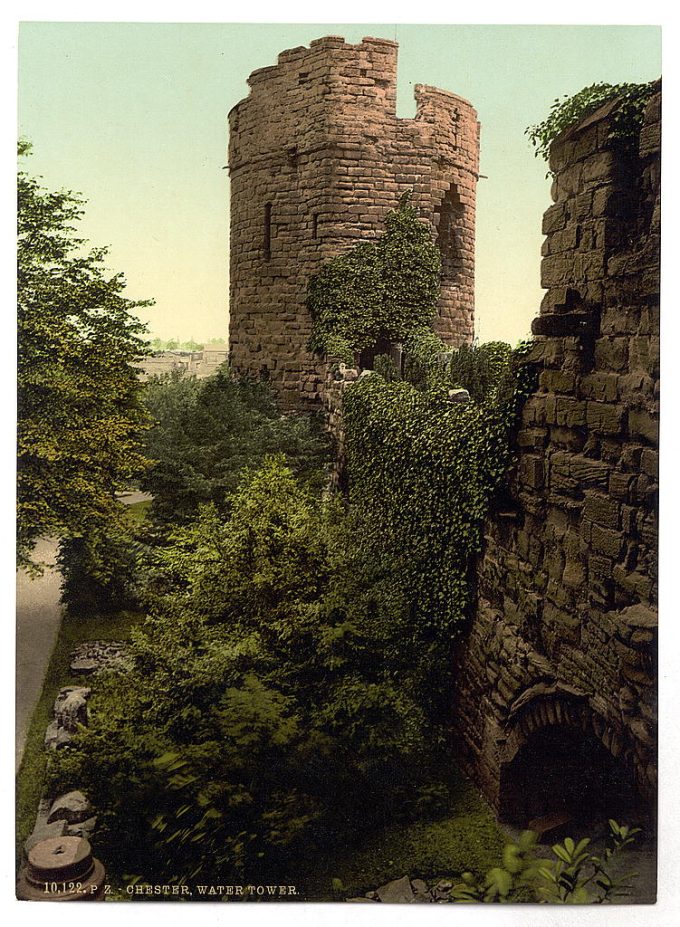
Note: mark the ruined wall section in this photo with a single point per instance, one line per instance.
(317, 158)
(565, 628)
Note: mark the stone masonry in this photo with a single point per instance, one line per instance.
(564, 635)
(317, 158)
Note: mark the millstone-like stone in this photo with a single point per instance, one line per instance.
(61, 869)
(45, 831)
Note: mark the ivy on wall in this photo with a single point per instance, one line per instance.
(566, 111)
(381, 290)
(424, 471)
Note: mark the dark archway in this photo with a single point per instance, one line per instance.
(565, 772)
(448, 216)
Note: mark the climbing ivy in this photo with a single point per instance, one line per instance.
(423, 471)
(568, 110)
(386, 289)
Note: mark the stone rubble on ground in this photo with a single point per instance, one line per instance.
(71, 814)
(73, 808)
(91, 657)
(70, 711)
(407, 891)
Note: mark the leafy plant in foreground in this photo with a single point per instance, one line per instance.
(574, 875)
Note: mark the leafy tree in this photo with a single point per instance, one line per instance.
(79, 414)
(268, 711)
(207, 431)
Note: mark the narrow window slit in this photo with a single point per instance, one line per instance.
(267, 231)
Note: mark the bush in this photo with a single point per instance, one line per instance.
(98, 568)
(269, 711)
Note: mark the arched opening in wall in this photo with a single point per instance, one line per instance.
(564, 776)
(448, 218)
(366, 360)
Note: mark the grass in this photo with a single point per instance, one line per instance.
(138, 510)
(31, 775)
(465, 837)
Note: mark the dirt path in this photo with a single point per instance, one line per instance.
(38, 617)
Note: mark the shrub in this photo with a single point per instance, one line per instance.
(98, 567)
(268, 708)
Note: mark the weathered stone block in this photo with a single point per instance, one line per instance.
(599, 167)
(554, 219)
(571, 412)
(605, 417)
(611, 354)
(589, 473)
(643, 424)
(602, 387)
(602, 510)
(574, 574)
(606, 541)
(557, 381)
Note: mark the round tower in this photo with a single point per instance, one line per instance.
(317, 158)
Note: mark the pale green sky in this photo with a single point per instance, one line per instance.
(133, 115)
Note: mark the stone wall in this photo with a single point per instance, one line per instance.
(564, 634)
(317, 157)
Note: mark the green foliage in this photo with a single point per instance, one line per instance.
(379, 290)
(568, 110)
(207, 431)
(480, 369)
(423, 472)
(573, 876)
(269, 710)
(79, 415)
(424, 358)
(98, 569)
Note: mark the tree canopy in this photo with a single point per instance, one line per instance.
(207, 431)
(79, 414)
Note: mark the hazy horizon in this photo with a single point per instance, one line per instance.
(134, 117)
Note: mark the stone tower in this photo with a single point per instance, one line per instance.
(317, 158)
